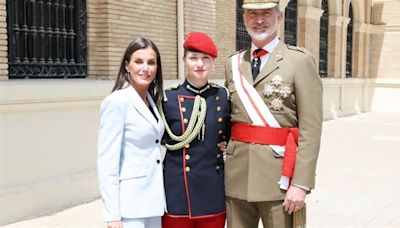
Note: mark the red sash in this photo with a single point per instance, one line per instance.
(287, 137)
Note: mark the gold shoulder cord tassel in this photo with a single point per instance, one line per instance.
(195, 124)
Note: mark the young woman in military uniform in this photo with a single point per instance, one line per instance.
(196, 115)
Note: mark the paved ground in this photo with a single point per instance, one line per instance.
(358, 184)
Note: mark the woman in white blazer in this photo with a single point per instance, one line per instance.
(129, 152)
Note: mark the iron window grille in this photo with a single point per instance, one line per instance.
(243, 39)
(291, 23)
(47, 38)
(323, 48)
(349, 45)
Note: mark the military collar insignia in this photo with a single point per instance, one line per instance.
(197, 90)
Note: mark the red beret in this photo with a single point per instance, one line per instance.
(198, 41)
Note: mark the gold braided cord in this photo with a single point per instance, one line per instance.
(200, 120)
(196, 121)
(191, 125)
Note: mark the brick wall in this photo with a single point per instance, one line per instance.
(308, 29)
(218, 19)
(225, 33)
(385, 43)
(112, 24)
(3, 41)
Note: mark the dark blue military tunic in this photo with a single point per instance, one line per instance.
(193, 175)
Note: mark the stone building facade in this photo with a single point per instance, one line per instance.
(48, 127)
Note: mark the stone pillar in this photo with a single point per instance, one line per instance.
(343, 51)
(360, 50)
(3, 42)
(281, 30)
(308, 28)
(336, 53)
(367, 43)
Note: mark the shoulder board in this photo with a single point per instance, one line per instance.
(236, 52)
(173, 86)
(215, 85)
(296, 48)
(170, 87)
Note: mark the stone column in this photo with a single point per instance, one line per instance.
(337, 46)
(281, 30)
(3, 42)
(308, 28)
(343, 52)
(360, 50)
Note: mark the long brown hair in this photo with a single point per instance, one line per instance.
(156, 87)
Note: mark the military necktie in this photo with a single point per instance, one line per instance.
(255, 64)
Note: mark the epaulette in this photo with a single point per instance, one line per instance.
(215, 85)
(296, 48)
(173, 86)
(236, 52)
(170, 87)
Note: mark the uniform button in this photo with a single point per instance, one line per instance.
(185, 121)
(218, 108)
(187, 145)
(187, 156)
(183, 109)
(157, 141)
(218, 167)
(181, 99)
(158, 161)
(220, 120)
(187, 169)
(217, 98)
(220, 132)
(218, 155)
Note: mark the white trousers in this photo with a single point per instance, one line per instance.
(151, 222)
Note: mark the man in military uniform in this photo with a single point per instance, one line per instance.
(196, 116)
(276, 113)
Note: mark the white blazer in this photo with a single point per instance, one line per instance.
(129, 162)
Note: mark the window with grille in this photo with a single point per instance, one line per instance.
(323, 40)
(243, 39)
(291, 23)
(47, 38)
(349, 45)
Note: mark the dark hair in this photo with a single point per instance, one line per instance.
(156, 87)
(186, 50)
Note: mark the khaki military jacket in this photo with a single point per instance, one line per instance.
(252, 171)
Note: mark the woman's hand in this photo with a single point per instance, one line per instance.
(115, 224)
(222, 147)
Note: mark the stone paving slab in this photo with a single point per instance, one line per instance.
(358, 180)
